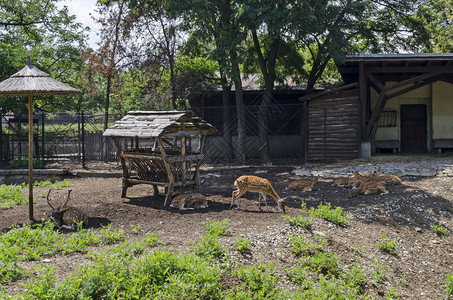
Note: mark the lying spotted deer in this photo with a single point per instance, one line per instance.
(248, 183)
(67, 216)
(189, 201)
(303, 185)
(368, 187)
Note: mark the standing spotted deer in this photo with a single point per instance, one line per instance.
(67, 216)
(248, 183)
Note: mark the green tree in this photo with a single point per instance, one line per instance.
(437, 15)
(47, 33)
(217, 21)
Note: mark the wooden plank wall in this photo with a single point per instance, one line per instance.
(333, 126)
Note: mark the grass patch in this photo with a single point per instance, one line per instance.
(11, 195)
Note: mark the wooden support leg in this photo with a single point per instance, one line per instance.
(126, 184)
(156, 190)
(168, 197)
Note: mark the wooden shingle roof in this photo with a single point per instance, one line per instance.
(148, 124)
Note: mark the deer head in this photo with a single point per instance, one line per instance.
(66, 216)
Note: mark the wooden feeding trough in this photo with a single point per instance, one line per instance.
(161, 148)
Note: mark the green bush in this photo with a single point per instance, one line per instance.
(21, 163)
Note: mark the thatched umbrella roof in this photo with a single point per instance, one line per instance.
(148, 124)
(29, 82)
(32, 80)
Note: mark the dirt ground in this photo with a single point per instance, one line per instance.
(417, 271)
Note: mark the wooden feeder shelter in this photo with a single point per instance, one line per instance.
(161, 148)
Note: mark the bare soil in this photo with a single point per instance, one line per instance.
(418, 270)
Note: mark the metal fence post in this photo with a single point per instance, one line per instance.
(43, 143)
(83, 139)
(2, 159)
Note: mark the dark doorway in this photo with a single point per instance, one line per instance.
(413, 128)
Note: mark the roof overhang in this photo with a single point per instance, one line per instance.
(397, 67)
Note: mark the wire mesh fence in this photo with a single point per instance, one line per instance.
(77, 137)
(63, 137)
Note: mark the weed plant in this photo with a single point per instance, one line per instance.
(378, 273)
(387, 245)
(334, 215)
(300, 221)
(302, 246)
(218, 228)
(449, 285)
(242, 244)
(440, 230)
(57, 185)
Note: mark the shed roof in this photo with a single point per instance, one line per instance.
(148, 124)
(397, 67)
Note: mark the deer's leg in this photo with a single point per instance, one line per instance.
(236, 194)
(265, 201)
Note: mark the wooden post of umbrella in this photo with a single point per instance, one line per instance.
(30, 156)
(29, 82)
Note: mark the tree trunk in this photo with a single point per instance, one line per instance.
(226, 130)
(239, 107)
(106, 117)
(173, 85)
(268, 71)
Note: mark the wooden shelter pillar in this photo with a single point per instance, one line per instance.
(30, 156)
(364, 96)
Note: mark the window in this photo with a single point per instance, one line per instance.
(387, 119)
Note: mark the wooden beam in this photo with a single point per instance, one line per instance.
(377, 85)
(413, 87)
(412, 80)
(403, 69)
(382, 100)
(171, 177)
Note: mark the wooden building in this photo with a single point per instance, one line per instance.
(389, 102)
(160, 148)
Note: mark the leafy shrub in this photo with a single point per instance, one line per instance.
(300, 221)
(151, 240)
(439, 229)
(303, 246)
(218, 228)
(378, 273)
(449, 285)
(259, 282)
(209, 247)
(334, 216)
(387, 245)
(322, 262)
(20, 163)
(242, 244)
